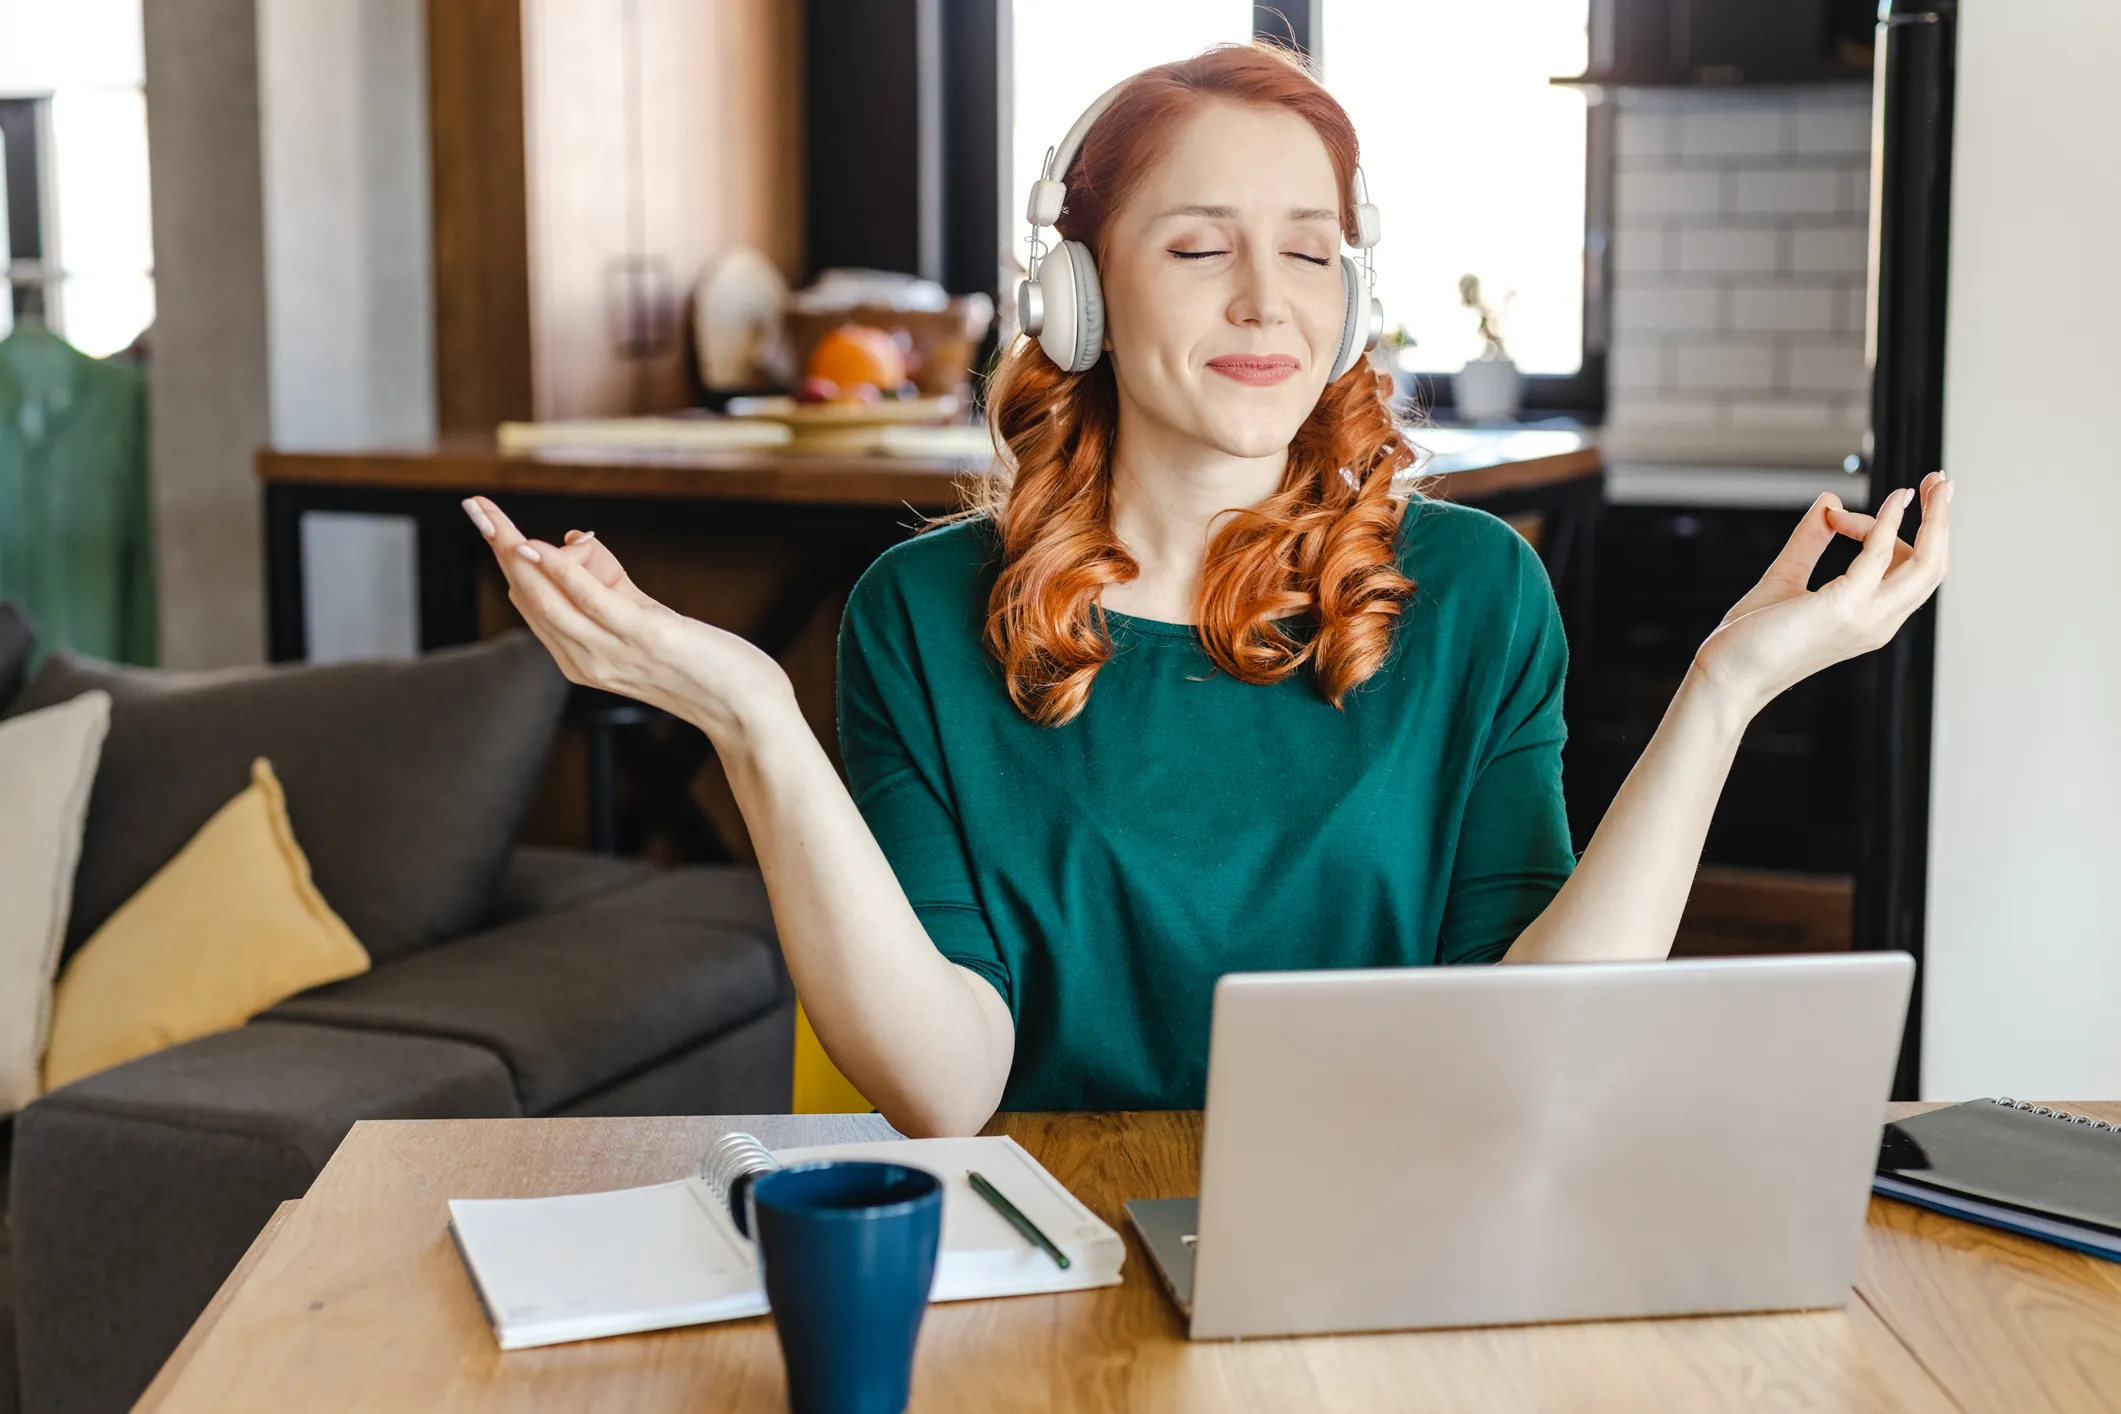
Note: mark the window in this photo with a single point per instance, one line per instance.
(74, 229)
(1477, 162)
(1480, 164)
(1069, 51)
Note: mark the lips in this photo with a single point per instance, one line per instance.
(1256, 369)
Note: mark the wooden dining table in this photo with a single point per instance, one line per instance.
(353, 1298)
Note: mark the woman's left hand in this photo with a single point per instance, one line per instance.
(1782, 632)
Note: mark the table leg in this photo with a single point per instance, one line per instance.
(448, 555)
(286, 632)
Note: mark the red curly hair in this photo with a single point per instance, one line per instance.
(1322, 543)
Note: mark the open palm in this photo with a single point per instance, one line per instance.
(604, 632)
(1782, 632)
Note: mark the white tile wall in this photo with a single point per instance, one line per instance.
(1739, 247)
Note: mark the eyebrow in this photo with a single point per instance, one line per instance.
(1229, 213)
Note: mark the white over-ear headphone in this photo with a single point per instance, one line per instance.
(1061, 304)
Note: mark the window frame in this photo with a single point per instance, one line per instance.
(1580, 395)
(961, 197)
(30, 277)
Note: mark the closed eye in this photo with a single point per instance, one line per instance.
(1197, 254)
(1314, 259)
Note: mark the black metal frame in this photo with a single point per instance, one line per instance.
(664, 753)
(1918, 68)
(848, 538)
(450, 552)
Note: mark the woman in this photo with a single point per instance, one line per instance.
(1197, 692)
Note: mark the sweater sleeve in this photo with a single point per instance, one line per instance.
(1513, 849)
(892, 751)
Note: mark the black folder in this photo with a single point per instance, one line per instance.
(2042, 1172)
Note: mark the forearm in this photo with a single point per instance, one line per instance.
(1627, 892)
(929, 1043)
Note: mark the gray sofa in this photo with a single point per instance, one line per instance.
(583, 986)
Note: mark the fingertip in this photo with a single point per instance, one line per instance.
(530, 552)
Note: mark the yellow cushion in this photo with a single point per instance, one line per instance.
(820, 1089)
(221, 932)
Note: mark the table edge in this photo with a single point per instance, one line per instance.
(173, 1368)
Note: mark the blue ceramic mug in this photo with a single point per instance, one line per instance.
(849, 1250)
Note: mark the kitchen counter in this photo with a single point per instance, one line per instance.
(767, 543)
(1478, 463)
(859, 503)
(1632, 483)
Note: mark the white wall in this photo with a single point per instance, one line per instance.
(349, 283)
(292, 247)
(2023, 991)
(76, 44)
(1739, 224)
(207, 380)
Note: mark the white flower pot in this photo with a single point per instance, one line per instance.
(1488, 390)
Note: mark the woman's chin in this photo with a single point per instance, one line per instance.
(1252, 423)
(1253, 437)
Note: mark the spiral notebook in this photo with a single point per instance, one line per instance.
(584, 1265)
(2030, 1169)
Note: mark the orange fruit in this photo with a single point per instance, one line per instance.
(857, 353)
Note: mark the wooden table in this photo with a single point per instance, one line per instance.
(852, 506)
(354, 1299)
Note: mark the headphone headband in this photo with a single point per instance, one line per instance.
(1058, 159)
(1044, 204)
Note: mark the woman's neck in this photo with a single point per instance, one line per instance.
(1168, 489)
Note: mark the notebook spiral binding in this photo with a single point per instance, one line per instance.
(2063, 1115)
(729, 1166)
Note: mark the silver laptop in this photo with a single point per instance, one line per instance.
(1390, 1150)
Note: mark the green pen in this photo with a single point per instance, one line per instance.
(1016, 1219)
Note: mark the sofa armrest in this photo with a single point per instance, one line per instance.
(136, 1190)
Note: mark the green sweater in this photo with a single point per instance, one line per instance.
(75, 527)
(1103, 874)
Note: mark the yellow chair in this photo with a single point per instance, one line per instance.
(820, 1089)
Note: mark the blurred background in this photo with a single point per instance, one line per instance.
(356, 256)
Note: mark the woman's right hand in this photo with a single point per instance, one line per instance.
(605, 633)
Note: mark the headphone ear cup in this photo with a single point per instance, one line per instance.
(1354, 317)
(1074, 332)
(1090, 307)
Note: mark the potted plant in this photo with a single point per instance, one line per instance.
(1395, 356)
(1489, 388)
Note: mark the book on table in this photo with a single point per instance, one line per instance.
(584, 1265)
(2029, 1169)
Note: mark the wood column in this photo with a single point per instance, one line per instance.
(481, 248)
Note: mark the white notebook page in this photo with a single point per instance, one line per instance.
(596, 1264)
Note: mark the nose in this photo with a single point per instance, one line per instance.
(1259, 297)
